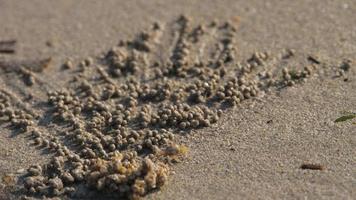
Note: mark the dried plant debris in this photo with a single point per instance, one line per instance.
(8, 179)
(347, 116)
(7, 46)
(113, 127)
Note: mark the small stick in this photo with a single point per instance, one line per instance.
(7, 47)
(313, 59)
(312, 166)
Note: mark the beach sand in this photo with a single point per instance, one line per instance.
(255, 151)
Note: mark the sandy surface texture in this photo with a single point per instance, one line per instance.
(255, 150)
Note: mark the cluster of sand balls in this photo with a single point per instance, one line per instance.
(18, 118)
(120, 113)
(125, 174)
(110, 160)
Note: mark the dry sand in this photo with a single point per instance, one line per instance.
(243, 156)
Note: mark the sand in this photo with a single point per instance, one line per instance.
(242, 156)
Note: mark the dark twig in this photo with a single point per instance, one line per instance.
(312, 166)
(7, 46)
